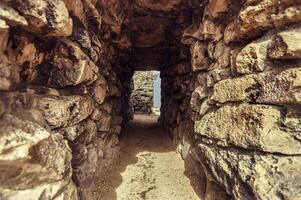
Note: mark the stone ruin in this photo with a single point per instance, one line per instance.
(231, 91)
(143, 92)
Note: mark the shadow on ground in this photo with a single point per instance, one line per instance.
(141, 138)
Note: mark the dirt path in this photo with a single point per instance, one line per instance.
(147, 168)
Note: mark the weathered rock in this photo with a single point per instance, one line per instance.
(104, 124)
(161, 5)
(11, 16)
(191, 35)
(45, 17)
(254, 19)
(6, 81)
(286, 45)
(282, 88)
(215, 192)
(59, 190)
(211, 30)
(73, 132)
(251, 151)
(252, 58)
(270, 88)
(237, 89)
(30, 157)
(17, 137)
(64, 111)
(113, 12)
(199, 60)
(71, 66)
(99, 90)
(218, 7)
(242, 126)
(142, 95)
(3, 25)
(149, 31)
(250, 175)
(76, 8)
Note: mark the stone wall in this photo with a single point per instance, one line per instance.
(143, 92)
(246, 101)
(230, 91)
(62, 100)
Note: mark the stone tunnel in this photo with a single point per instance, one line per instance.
(231, 92)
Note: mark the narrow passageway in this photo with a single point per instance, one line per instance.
(147, 168)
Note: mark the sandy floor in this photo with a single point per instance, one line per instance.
(147, 168)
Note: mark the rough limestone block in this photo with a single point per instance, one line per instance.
(31, 157)
(65, 110)
(253, 19)
(251, 175)
(45, 17)
(253, 57)
(199, 61)
(71, 66)
(280, 88)
(252, 127)
(236, 89)
(11, 16)
(286, 45)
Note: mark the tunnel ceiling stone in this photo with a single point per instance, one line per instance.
(144, 25)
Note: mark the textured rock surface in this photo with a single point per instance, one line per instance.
(231, 91)
(246, 104)
(55, 91)
(143, 92)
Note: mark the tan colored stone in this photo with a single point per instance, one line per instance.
(72, 133)
(76, 8)
(104, 124)
(262, 15)
(149, 30)
(31, 156)
(64, 111)
(253, 127)
(236, 89)
(280, 88)
(248, 175)
(3, 25)
(99, 90)
(71, 66)
(11, 16)
(113, 12)
(286, 45)
(63, 189)
(252, 58)
(38, 12)
(212, 30)
(17, 137)
(215, 192)
(199, 61)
